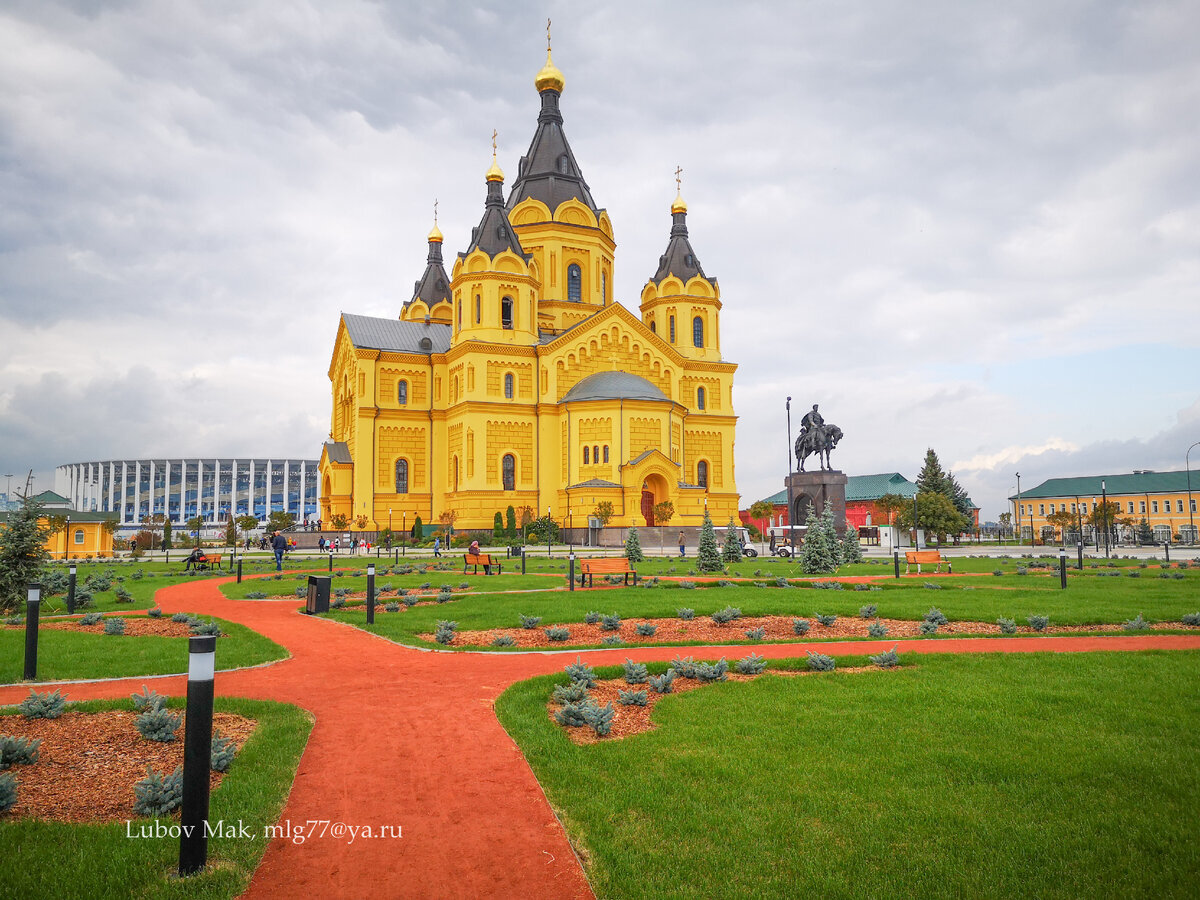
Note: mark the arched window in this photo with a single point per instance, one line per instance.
(563, 165)
(654, 326)
(79, 535)
(672, 329)
(508, 471)
(574, 283)
(402, 392)
(606, 452)
(478, 310)
(604, 287)
(596, 454)
(702, 473)
(456, 473)
(506, 313)
(402, 476)
(587, 455)
(700, 398)
(508, 385)
(460, 313)
(698, 331)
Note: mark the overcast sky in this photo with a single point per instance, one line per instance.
(967, 226)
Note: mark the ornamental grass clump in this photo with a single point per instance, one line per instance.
(929, 627)
(610, 623)
(158, 724)
(581, 671)
(632, 698)
(801, 626)
(18, 751)
(42, 706)
(114, 626)
(715, 672)
(685, 614)
(1007, 626)
(935, 616)
(1038, 623)
(756, 634)
(661, 684)
(147, 700)
(223, 752)
(557, 634)
(752, 664)
(868, 611)
(825, 620)
(530, 622)
(888, 659)
(1137, 624)
(645, 629)
(819, 662)
(158, 795)
(635, 673)
(504, 640)
(877, 629)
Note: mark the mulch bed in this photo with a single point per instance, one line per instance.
(776, 628)
(163, 627)
(631, 720)
(88, 763)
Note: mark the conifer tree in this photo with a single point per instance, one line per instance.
(820, 554)
(633, 546)
(851, 550)
(166, 544)
(709, 555)
(22, 553)
(731, 552)
(932, 479)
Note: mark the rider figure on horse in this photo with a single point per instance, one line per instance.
(812, 423)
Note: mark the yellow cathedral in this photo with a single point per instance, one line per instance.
(519, 381)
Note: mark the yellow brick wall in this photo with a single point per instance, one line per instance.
(417, 383)
(514, 437)
(409, 443)
(470, 453)
(522, 377)
(608, 352)
(712, 392)
(674, 454)
(704, 445)
(644, 434)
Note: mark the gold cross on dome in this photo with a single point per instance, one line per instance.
(547, 35)
(435, 203)
(678, 172)
(494, 133)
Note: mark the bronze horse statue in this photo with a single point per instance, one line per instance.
(819, 440)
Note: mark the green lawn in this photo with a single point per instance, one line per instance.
(1014, 775)
(65, 655)
(49, 859)
(1089, 599)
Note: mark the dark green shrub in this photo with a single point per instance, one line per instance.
(148, 699)
(726, 615)
(715, 672)
(154, 613)
(557, 634)
(391, 606)
(591, 618)
(409, 600)
(877, 629)
(18, 751)
(581, 671)
(1038, 623)
(752, 665)
(1007, 626)
(888, 659)
(819, 662)
(530, 622)
(572, 714)
(825, 620)
(685, 614)
(635, 673)
(756, 634)
(599, 717)
(632, 698)
(123, 596)
(868, 611)
(1137, 624)
(8, 791)
(92, 618)
(447, 625)
(827, 585)
(158, 724)
(684, 666)
(932, 586)
(929, 627)
(800, 626)
(206, 628)
(645, 629)
(42, 706)
(158, 795)
(223, 752)
(184, 617)
(1192, 619)
(504, 640)
(998, 572)
(610, 623)
(935, 616)
(688, 585)
(611, 640)
(782, 582)
(661, 684)
(443, 636)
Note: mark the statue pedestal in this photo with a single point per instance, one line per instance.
(813, 489)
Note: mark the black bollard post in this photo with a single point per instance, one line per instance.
(71, 590)
(371, 594)
(1079, 544)
(1062, 567)
(33, 604)
(1167, 550)
(522, 560)
(330, 560)
(571, 568)
(239, 580)
(197, 754)
(896, 562)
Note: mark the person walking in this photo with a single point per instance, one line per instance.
(437, 545)
(682, 546)
(279, 545)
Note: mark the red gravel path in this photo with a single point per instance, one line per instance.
(406, 737)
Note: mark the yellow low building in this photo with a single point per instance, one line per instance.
(73, 534)
(1161, 498)
(517, 380)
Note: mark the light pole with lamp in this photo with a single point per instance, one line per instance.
(549, 524)
(1191, 520)
(1019, 508)
(67, 540)
(390, 535)
(1104, 512)
(404, 529)
(790, 511)
(8, 492)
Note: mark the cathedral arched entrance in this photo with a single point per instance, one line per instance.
(654, 490)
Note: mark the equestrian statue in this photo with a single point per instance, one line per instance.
(816, 437)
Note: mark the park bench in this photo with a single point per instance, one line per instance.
(926, 557)
(616, 565)
(210, 561)
(480, 559)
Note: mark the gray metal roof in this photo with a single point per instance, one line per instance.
(371, 333)
(679, 259)
(494, 233)
(548, 171)
(594, 483)
(338, 452)
(433, 286)
(614, 386)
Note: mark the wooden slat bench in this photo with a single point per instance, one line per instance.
(210, 561)
(481, 559)
(927, 557)
(616, 565)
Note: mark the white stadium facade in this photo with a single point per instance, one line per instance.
(184, 487)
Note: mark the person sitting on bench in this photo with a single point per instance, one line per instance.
(196, 556)
(473, 550)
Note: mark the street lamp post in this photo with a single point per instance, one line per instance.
(1019, 506)
(1187, 465)
(916, 543)
(389, 528)
(790, 511)
(67, 540)
(549, 524)
(1104, 509)
(404, 529)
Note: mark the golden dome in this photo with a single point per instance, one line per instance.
(678, 206)
(495, 173)
(549, 78)
(435, 236)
